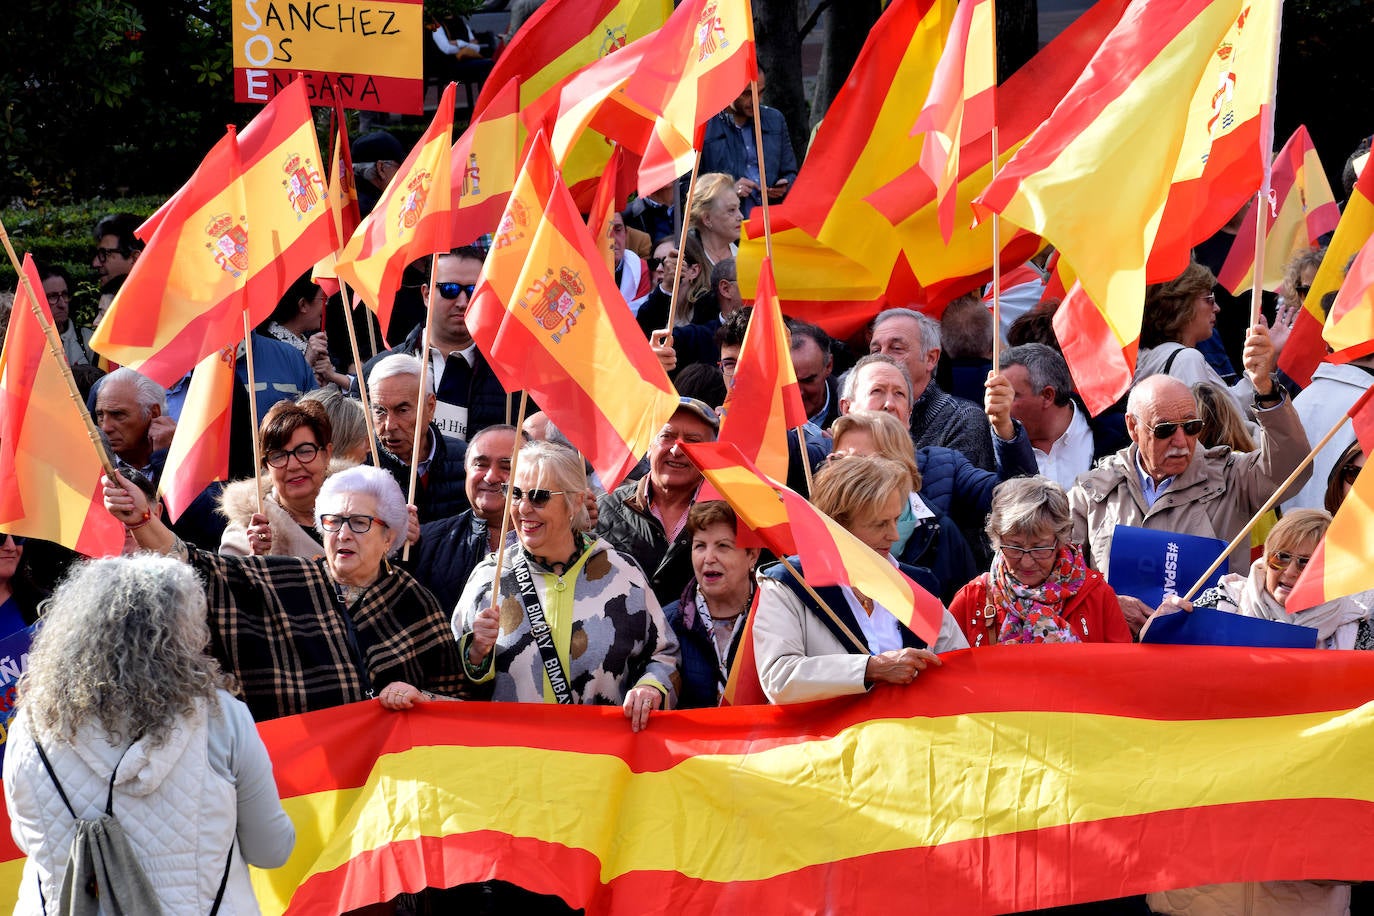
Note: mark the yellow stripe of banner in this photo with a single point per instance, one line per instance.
(880, 785)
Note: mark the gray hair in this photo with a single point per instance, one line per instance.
(1045, 367)
(347, 424)
(851, 379)
(930, 328)
(150, 393)
(966, 328)
(122, 645)
(365, 480)
(396, 365)
(1025, 505)
(564, 471)
(724, 269)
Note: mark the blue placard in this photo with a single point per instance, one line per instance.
(1210, 627)
(1149, 565)
(14, 659)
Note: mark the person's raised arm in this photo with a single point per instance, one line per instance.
(127, 504)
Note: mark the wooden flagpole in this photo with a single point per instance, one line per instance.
(421, 426)
(505, 512)
(682, 248)
(358, 368)
(253, 407)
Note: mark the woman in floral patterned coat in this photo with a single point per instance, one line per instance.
(576, 621)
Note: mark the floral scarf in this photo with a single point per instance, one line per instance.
(1036, 614)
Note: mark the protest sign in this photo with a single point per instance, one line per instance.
(1149, 565)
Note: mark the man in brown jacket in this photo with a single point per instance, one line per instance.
(1163, 481)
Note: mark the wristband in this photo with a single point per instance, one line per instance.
(147, 517)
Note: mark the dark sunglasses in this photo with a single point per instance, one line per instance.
(18, 541)
(1189, 427)
(1280, 561)
(305, 453)
(1302, 290)
(451, 290)
(538, 498)
(1350, 472)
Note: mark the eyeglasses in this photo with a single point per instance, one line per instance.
(1302, 290)
(358, 524)
(104, 254)
(1281, 561)
(18, 541)
(451, 290)
(1209, 298)
(54, 298)
(1039, 554)
(1189, 427)
(304, 453)
(1350, 472)
(538, 498)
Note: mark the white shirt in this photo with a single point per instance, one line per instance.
(880, 628)
(1071, 454)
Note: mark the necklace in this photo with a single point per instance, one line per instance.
(560, 567)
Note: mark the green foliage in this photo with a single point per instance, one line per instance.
(60, 236)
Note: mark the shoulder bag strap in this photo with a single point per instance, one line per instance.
(224, 881)
(539, 629)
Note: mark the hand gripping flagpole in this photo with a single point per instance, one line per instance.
(55, 346)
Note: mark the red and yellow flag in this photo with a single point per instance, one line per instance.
(1306, 346)
(1350, 326)
(764, 402)
(790, 525)
(50, 466)
(1127, 132)
(1051, 759)
(554, 44)
(962, 102)
(1340, 564)
(857, 232)
(604, 207)
(342, 194)
(484, 162)
(1305, 211)
(550, 320)
(412, 219)
(199, 454)
(250, 221)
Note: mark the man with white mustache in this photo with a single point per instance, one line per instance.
(1163, 481)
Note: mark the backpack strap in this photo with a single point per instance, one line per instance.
(223, 882)
(47, 765)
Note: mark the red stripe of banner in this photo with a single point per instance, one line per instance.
(356, 90)
(320, 751)
(1017, 871)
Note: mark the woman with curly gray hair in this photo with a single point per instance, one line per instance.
(120, 700)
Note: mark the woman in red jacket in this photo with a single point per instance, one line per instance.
(1039, 589)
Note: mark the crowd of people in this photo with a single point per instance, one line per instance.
(284, 590)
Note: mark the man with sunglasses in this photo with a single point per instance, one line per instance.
(468, 396)
(1165, 482)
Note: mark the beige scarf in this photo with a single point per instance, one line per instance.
(1252, 599)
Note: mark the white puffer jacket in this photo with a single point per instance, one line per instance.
(181, 805)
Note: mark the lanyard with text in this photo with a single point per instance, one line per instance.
(539, 629)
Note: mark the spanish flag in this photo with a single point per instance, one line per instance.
(1305, 211)
(484, 163)
(342, 194)
(1340, 564)
(789, 525)
(764, 402)
(50, 465)
(602, 213)
(199, 454)
(1009, 779)
(550, 320)
(1350, 327)
(962, 101)
(1306, 347)
(252, 219)
(412, 219)
(1143, 128)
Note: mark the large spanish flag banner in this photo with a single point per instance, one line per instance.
(1306, 347)
(1305, 210)
(1009, 779)
(484, 161)
(789, 525)
(764, 402)
(1138, 129)
(252, 219)
(199, 454)
(412, 219)
(550, 320)
(49, 464)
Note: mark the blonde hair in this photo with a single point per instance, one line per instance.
(1296, 528)
(563, 470)
(1225, 425)
(710, 188)
(889, 436)
(849, 488)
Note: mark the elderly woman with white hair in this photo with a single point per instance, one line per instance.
(577, 622)
(302, 634)
(121, 710)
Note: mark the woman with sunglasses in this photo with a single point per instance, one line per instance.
(19, 594)
(577, 622)
(296, 453)
(302, 634)
(1039, 588)
(1179, 315)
